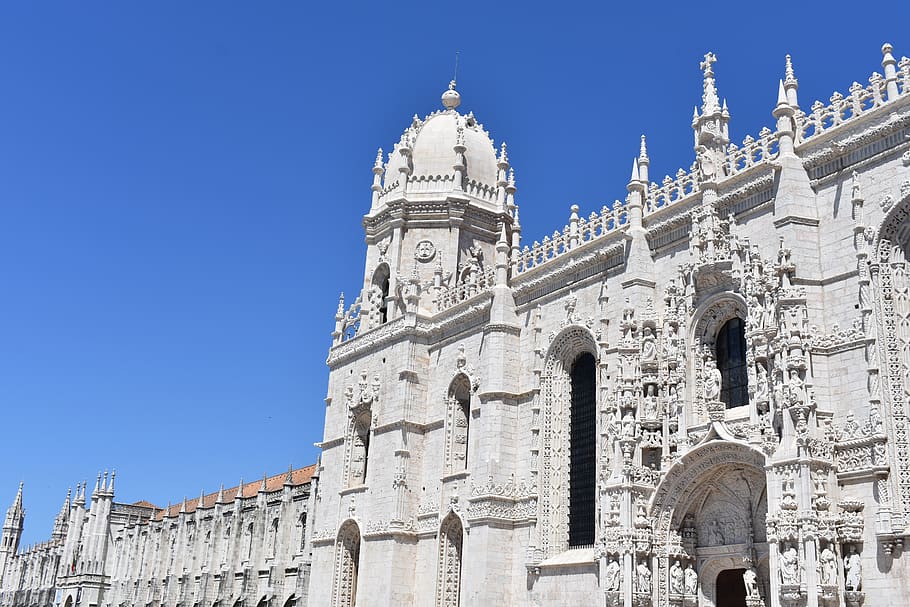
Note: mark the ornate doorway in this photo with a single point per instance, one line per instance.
(730, 589)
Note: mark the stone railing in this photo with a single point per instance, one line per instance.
(844, 108)
(483, 281)
(670, 191)
(578, 231)
(752, 152)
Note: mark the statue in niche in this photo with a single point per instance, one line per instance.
(691, 580)
(796, 386)
(761, 383)
(713, 381)
(671, 345)
(789, 566)
(648, 346)
(674, 404)
(755, 313)
(612, 575)
(768, 313)
(750, 581)
(827, 567)
(643, 576)
(650, 408)
(677, 578)
(853, 570)
(628, 425)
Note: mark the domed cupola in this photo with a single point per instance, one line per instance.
(439, 206)
(445, 152)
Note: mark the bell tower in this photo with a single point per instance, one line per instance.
(12, 531)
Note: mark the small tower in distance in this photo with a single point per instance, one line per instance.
(12, 531)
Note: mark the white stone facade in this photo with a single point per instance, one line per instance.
(697, 396)
(245, 546)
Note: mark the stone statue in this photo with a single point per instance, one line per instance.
(643, 575)
(853, 570)
(650, 407)
(674, 405)
(648, 346)
(761, 383)
(750, 581)
(671, 347)
(713, 379)
(677, 579)
(612, 575)
(691, 580)
(827, 567)
(789, 567)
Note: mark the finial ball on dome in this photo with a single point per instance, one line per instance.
(451, 99)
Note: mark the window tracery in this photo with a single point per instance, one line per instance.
(448, 581)
(458, 420)
(347, 565)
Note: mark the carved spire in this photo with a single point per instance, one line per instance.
(289, 477)
(263, 486)
(97, 485)
(182, 506)
(790, 84)
(110, 485)
(709, 100)
(220, 499)
(643, 161)
(239, 489)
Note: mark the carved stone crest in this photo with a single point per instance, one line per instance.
(425, 251)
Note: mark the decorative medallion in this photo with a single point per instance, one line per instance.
(425, 251)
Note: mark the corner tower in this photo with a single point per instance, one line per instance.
(12, 531)
(440, 203)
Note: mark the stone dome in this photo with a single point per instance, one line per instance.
(432, 142)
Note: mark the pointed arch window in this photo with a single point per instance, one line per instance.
(458, 421)
(731, 361)
(582, 451)
(448, 576)
(347, 565)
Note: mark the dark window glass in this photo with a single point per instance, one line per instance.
(731, 360)
(582, 452)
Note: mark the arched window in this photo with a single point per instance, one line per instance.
(582, 451)
(448, 575)
(347, 565)
(731, 361)
(458, 420)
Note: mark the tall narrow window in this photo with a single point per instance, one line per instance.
(731, 361)
(360, 450)
(582, 452)
(347, 565)
(448, 576)
(458, 419)
(379, 293)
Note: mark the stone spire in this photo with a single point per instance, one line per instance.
(790, 84)
(711, 127)
(289, 477)
(239, 490)
(709, 100)
(889, 64)
(643, 161)
(110, 485)
(220, 499)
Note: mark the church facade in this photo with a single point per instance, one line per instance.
(695, 396)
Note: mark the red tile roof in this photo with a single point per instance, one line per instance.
(300, 476)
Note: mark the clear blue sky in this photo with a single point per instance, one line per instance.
(181, 187)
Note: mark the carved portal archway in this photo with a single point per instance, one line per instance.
(553, 470)
(890, 275)
(709, 512)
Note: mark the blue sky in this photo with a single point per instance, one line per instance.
(181, 188)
